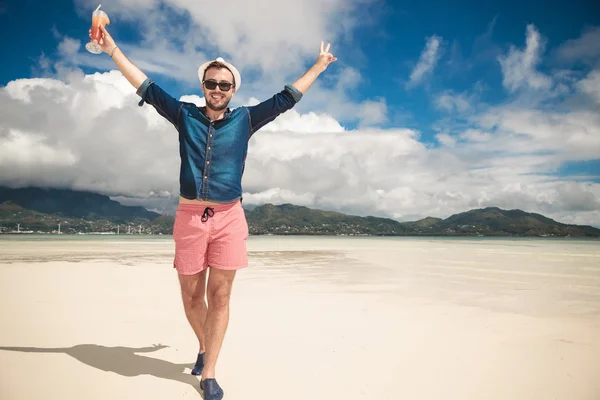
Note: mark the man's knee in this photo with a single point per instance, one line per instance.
(192, 300)
(219, 288)
(219, 297)
(193, 289)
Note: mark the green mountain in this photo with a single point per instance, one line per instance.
(494, 221)
(91, 213)
(299, 220)
(42, 210)
(491, 221)
(423, 224)
(72, 203)
(13, 217)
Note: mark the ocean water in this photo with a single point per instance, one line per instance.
(300, 238)
(569, 251)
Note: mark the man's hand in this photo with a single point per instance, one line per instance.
(106, 41)
(325, 57)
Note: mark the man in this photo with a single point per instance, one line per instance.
(210, 228)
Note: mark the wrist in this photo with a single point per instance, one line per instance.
(112, 52)
(317, 68)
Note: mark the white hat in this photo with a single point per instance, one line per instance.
(236, 74)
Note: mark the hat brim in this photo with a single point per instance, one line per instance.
(234, 71)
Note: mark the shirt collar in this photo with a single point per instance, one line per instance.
(225, 116)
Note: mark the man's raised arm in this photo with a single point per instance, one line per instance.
(307, 79)
(164, 103)
(268, 110)
(132, 73)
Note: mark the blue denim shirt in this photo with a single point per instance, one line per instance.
(213, 154)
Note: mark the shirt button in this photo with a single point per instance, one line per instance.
(205, 177)
(208, 162)
(209, 147)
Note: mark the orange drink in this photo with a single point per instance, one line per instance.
(98, 17)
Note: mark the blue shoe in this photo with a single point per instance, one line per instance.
(197, 370)
(212, 390)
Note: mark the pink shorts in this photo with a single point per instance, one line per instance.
(206, 238)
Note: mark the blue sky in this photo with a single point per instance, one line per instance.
(385, 48)
(462, 100)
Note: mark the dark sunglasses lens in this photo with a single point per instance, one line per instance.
(211, 85)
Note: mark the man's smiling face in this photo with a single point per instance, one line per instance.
(218, 99)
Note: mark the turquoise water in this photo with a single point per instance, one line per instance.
(112, 237)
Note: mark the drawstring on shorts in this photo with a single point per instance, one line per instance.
(208, 212)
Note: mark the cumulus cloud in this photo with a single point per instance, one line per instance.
(272, 36)
(427, 61)
(310, 122)
(90, 134)
(519, 67)
(567, 135)
(271, 43)
(372, 112)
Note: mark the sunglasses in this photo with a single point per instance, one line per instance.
(212, 84)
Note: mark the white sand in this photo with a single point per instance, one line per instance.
(317, 318)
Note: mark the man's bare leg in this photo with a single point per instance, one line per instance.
(193, 289)
(218, 293)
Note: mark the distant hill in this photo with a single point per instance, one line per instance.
(491, 221)
(13, 217)
(423, 224)
(291, 219)
(42, 210)
(495, 221)
(72, 203)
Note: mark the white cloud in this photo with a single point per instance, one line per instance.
(271, 43)
(446, 139)
(451, 102)
(567, 136)
(23, 150)
(427, 61)
(583, 49)
(90, 134)
(69, 46)
(591, 85)
(475, 135)
(519, 66)
(272, 35)
(372, 112)
(311, 122)
(87, 134)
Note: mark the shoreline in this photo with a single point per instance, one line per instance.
(298, 235)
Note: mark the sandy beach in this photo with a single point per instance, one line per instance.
(311, 318)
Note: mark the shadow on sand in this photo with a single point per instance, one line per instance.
(122, 360)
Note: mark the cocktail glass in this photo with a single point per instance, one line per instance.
(98, 17)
